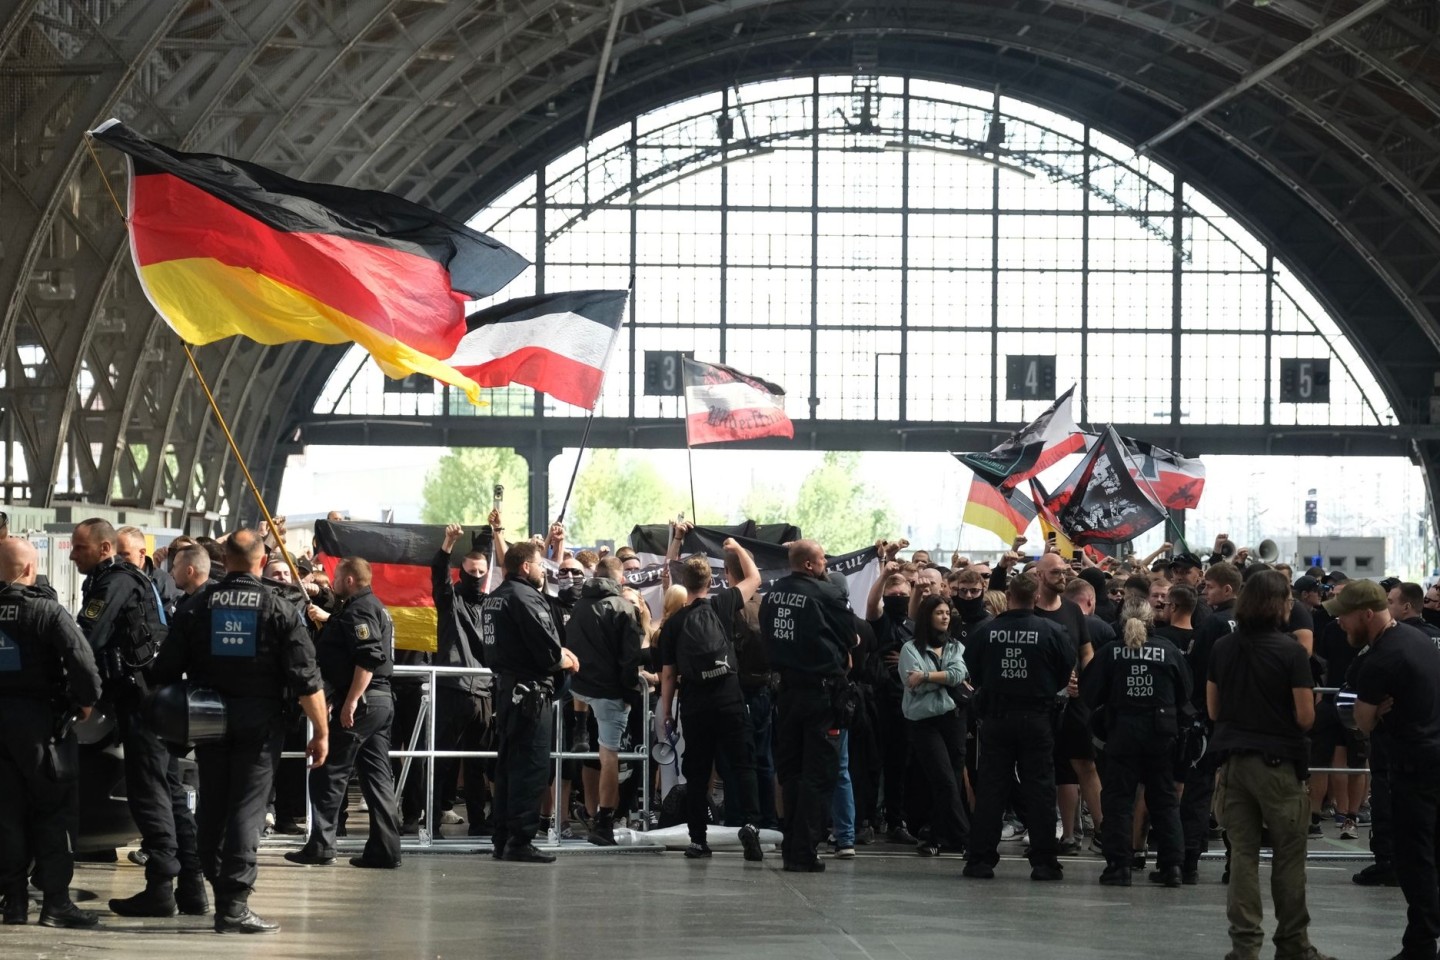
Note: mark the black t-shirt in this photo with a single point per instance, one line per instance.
(1182, 637)
(1256, 675)
(1404, 663)
(1071, 619)
(1300, 619)
(1220, 622)
(1101, 633)
(723, 693)
(1334, 649)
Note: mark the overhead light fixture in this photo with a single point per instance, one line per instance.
(704, 168)
(961, 155)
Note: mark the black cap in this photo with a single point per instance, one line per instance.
(1186, 559)
(1390, 583)
(1306, 585)
(1336, 576)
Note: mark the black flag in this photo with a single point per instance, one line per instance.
(1104, 504)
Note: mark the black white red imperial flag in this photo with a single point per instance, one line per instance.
(1042, 442)
(724, 404)
(1101, 502)
(558, 343)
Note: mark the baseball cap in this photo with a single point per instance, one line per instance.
(1359, 595)
(1186, 559)
(1336, 576)
(1307, 584)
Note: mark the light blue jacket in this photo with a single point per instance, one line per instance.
(931, 699)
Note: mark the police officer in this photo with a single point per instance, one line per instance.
(240, 640)
(808, 631)
(522, 646)
(354, 656)
(46, 673)
(1020, 663)
(1140, 683)
(1397, 701)
(121, 617)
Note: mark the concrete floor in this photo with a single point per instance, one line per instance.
(885, 904)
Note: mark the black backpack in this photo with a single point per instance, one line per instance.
(703, 651)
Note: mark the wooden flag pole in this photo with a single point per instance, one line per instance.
(235, 449)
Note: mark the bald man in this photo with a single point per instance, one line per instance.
(41, 649)
(808, 631)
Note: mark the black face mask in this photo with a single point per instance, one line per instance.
(896, 608)
(1431, 616)
(568, 592)
(472, 588)
(969, 609)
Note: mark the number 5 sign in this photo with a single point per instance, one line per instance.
(1305, 381)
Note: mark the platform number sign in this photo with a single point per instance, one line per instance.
(1305, 381)
(665, 373)
(1030, 377)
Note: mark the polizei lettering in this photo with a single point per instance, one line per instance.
(9, 614)
(1147, 652)
(236, 599)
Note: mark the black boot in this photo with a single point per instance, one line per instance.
(17, 906)
(1116, 875)
(58, 911)
(602, 832)
(191, 897)
(156, 900)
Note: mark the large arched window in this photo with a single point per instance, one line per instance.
(880, 246)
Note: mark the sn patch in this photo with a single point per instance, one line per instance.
(362, 631)
(92, 609)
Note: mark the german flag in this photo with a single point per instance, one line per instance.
(1002, 512)
(399, 555)
(228, 248)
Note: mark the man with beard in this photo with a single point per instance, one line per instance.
(1397, 701)
(522, 646)
(464, 706)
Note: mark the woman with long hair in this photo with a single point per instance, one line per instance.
(1137, 687)
(933, 667)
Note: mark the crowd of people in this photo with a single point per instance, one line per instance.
(1125, 706)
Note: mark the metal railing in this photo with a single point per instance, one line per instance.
(425, 723)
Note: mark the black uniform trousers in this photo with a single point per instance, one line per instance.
(937, 750)
(236, 775)
(893, 740)
(365, 749)
(807, 760)
(39, 815)
(1195, 807)
(710, 734)
(523, 766)
(1416, 806)
(1134, 755)
(157, 800)
(1382, 817)
(464, 723)
(1010, 739)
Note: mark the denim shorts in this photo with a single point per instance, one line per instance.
(611, 716)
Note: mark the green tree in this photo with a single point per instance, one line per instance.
(839, 512)
(460, 489)
(612, 495)
(766, 505)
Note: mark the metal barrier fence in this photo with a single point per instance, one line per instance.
(425, 724)
(425, 838)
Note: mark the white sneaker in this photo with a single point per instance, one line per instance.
(845, 853)
(451, 817)
(1013, 831)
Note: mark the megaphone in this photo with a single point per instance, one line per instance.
(1227, 549)
(1268, 551)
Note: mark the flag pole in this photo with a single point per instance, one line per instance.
(230, 439)
(584, 442)
(690, 458)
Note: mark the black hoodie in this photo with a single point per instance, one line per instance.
(604, 634)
